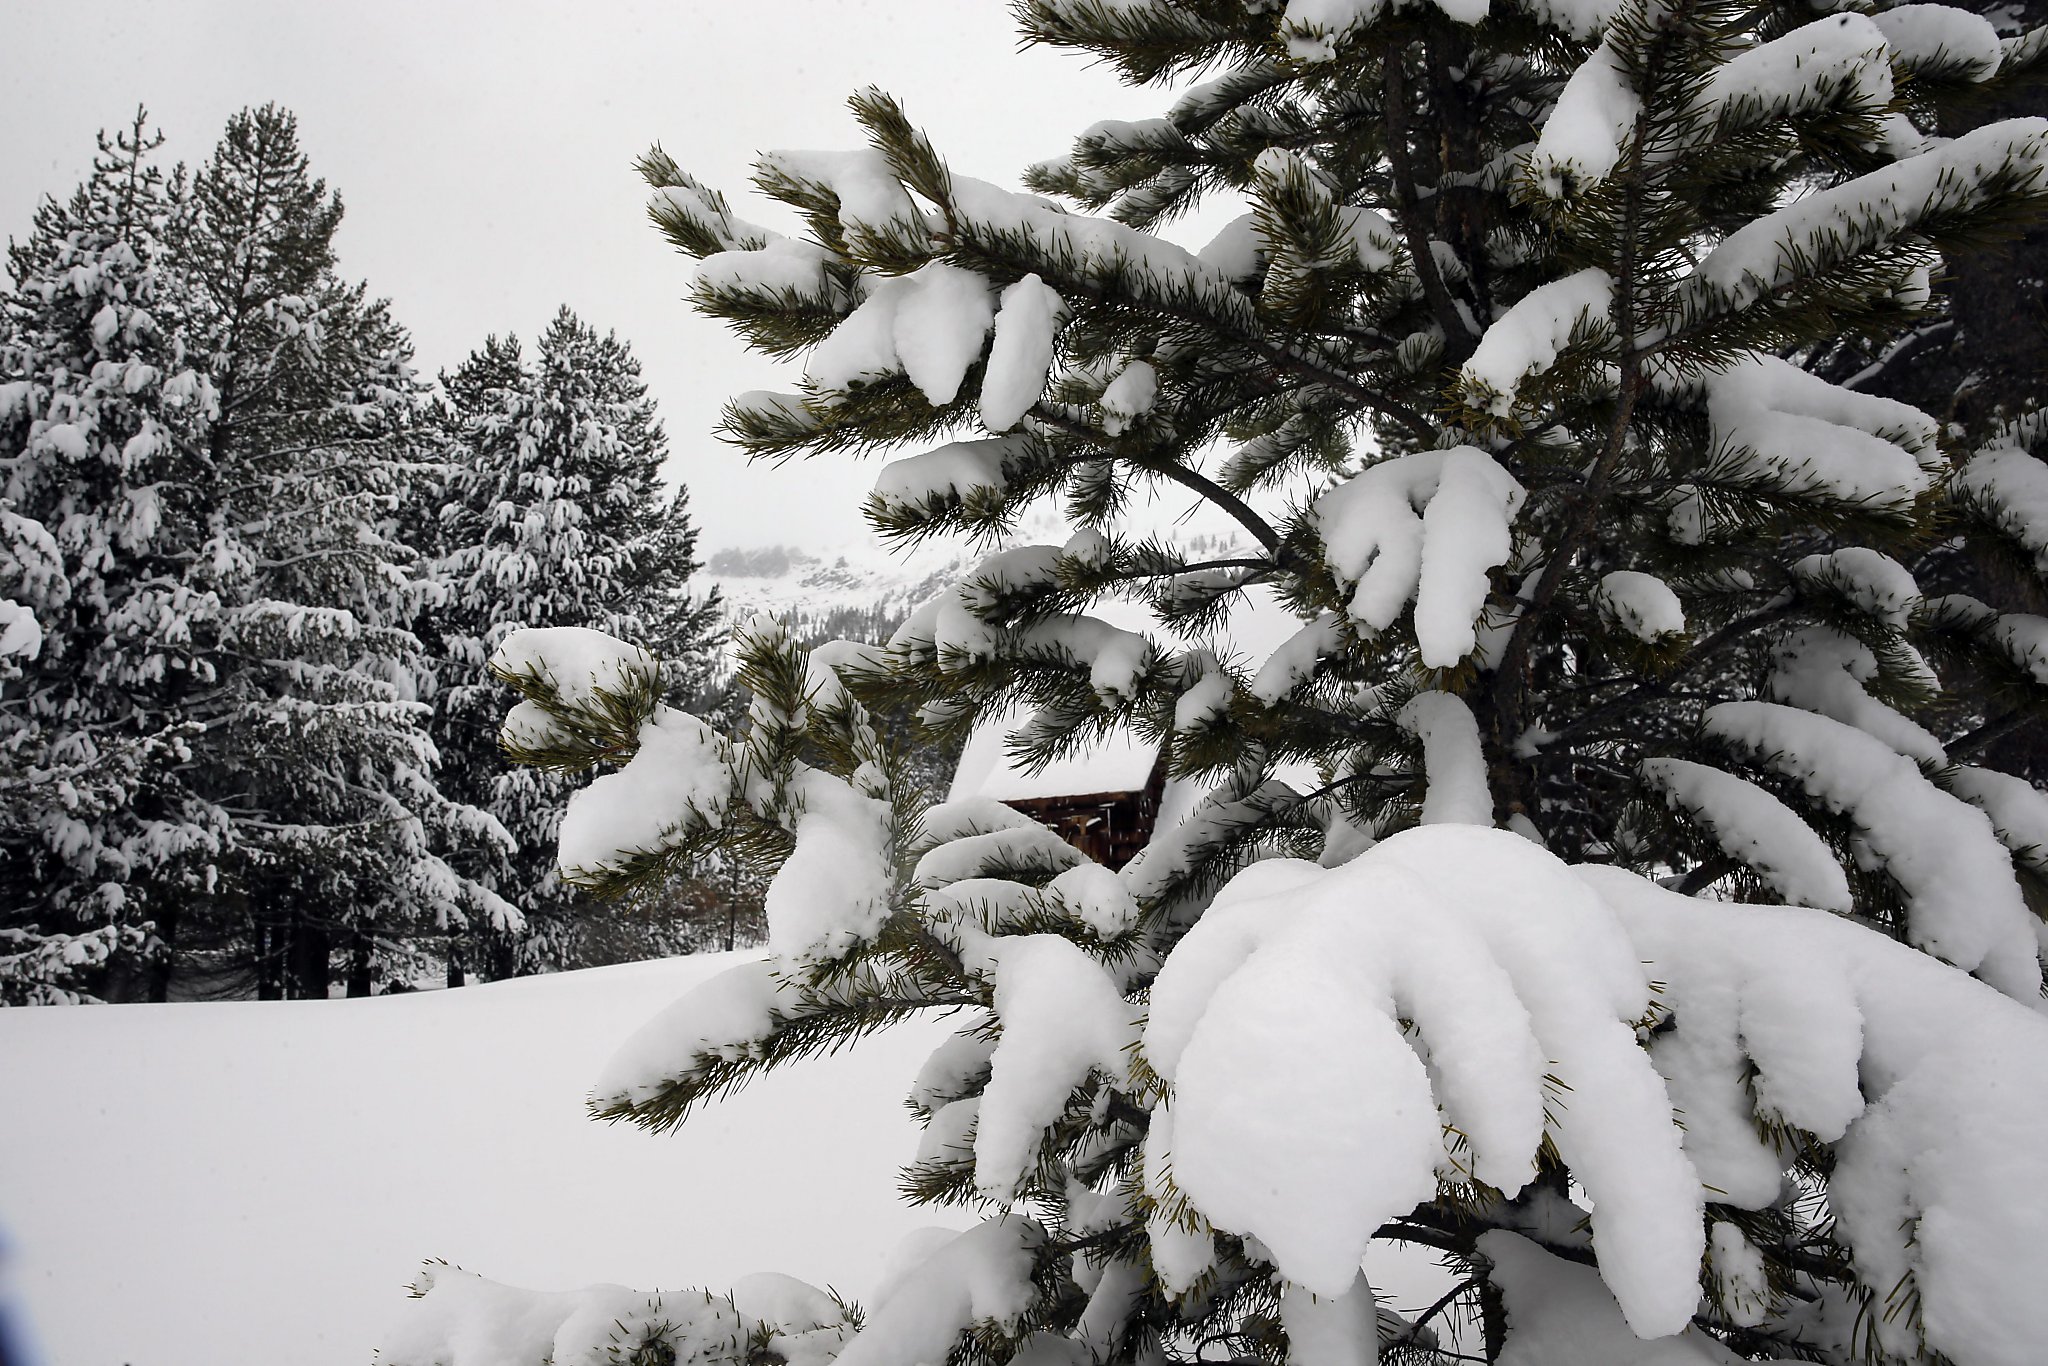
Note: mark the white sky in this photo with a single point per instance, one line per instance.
(485, 152)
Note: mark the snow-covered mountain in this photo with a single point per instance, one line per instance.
(830, 588)
(864, 588)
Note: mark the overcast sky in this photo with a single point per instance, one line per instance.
(485, 151)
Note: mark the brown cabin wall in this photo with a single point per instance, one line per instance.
(1109, 827)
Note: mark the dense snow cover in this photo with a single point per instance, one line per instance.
(1510, 970)
(1830, 224)
(266, 1177)
(1423, 528)
(682, 769)
(1641, 604)
(1021, 353)
(1526, 339)
(1810, 436)
(1752, 825)
(1593, 117)
(1828, 60)
(928, 325)
(1278, 1022)
(2012, 486)
(1962, 903)
(1857, 1037)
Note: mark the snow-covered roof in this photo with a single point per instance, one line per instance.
(1120, 762)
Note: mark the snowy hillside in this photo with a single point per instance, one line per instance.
(815, 586)
(225, 1185)
(835, 585)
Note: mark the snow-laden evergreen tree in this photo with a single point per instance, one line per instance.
(554, 513)
(215, 753)
(1610, 889)
(318, 739)
(102, 439)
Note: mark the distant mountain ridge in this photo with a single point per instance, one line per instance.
(871, 587)
(856, 590)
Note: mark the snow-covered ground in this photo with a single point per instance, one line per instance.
(243, 1183)
(247, 1184)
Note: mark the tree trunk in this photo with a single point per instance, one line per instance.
(157, 971)
(310, 964)
(358, 963)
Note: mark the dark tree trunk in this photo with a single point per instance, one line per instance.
(310, 965)
(359, 958)
(270, 961)
(157, 970)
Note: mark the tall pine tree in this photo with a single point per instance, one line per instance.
(103, 415)
(554, 514)
(318, 738)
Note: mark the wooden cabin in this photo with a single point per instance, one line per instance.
(1107, 798)
(1103, 800)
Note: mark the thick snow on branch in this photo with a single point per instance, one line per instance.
(1277, 1023)
(870, 197)
(1861, 214)
(980, 1276)
(1063, 1018)
(722, 1017)
(1019, 358)
(1874, 581)
(464, 1320)
(1527, 338)
(1814, 63)
(578, 661)
(1594, 115)
(1752, 825)
(1024, 845)
(2018, 812)
(1097, 897)
(953, 630)
(681, 775)
(1331, 1330)
(1942, 36)
(1294, 663)
(785, 265)
(1425, 527)
(2023, 639)
(833, 891)
(1641, 604)
(1932, 1086)
(1962, 904)
(21, 635)
(1091, 246)
(1559, 1314)
(1810, 436)
(1129, 396)
(1454, 765)
(950, 473)
(929, 325)
(1824, 670)
(2011, 486)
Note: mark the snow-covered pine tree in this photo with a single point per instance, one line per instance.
(317, 742)
(554, 512)
(1648, 938)
(214, 752)
(102, 422)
